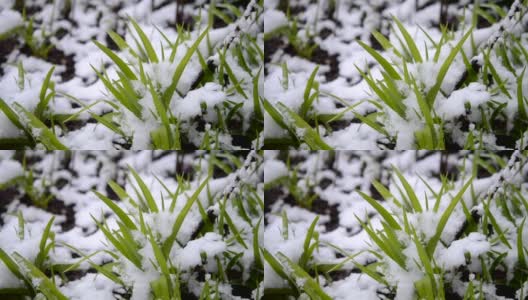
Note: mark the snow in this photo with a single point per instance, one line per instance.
(209, 246)
(91, 286)
(10, 169)
(9, 19)
(11, 242)
(335, 36)
(274, 169)
(80, 92)
(343, 172)
(475, 245)
(274, 19)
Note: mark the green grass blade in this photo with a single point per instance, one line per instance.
(303, 260)
(130, 253)
(409, 191)
(146, 42)
(256, 246)
(520, 248)
(167, 245)
(45, 285)
(153, 207)
(307, 103)
(303, 280)
(234, 80)
(158, 254)
(309, 136)
(409, 41)
(256, 97)
(520, 98)
(431, 95)
(381, 210)
(46, 136)
(274, 114)
(117, 210)
(381, 60)
(43, 103)
(43, 254)
(118, 61)
(167, 95)
(431, 246)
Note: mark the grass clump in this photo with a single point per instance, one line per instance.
(476, 100)
(151, 112)
(153, 261)
(429, 262)
(457, 234)
(296, 123)
(32, 271)
(33, 124)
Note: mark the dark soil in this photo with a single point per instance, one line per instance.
(58, 57)
(6, 197)
(322, 207)
(322, 57)
(271, 46)
(59, 208)
(6, 47)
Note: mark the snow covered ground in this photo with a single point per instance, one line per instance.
(201, 59)
(81, 225)
(367, 80)
(386, 75)
(395, 225)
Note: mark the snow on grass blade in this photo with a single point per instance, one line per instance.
(15, 269)
(305, 132)
(303, 280)
(45, 135)
(42, 282)
(13, 117)
(278, 268)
